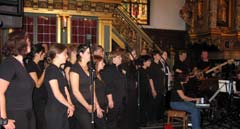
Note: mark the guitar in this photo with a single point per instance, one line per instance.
(200, 74)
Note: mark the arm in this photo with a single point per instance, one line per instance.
(154, 93)
(186, 98)
(3, 88)
(38, 81)
(70, 111)
(74, 79)
(67, 72)
(110, 101)
(58, 95)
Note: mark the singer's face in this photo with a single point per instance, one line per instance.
(101, 65)
(86, 55)
(164, 55)
(63, 56)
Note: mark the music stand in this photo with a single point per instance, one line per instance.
(225, 86)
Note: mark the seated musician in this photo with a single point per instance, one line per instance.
(180, 101)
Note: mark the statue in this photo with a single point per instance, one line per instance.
(222, 14)
(186, 12)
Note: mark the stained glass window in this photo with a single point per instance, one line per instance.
(138, 9)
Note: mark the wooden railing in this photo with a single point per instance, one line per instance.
(130, 31)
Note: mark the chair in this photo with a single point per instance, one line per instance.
(178, 115)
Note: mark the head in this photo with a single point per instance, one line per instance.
(144, 51)
(83, 53)
(133, 55)
(164, 55)
(99, 63)
(98, 50)
(204, 55)
(182, 55)
(18, 43)
(58, 52)
(156, 55)
(72, 52)
(115, 57)
(145, 61)
(37, 52)
(45, 45)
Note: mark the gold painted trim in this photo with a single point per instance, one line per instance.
(69, 26)
(118, 41)
(59, 29)
(68, 12)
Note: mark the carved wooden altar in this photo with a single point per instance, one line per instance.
(215, 22)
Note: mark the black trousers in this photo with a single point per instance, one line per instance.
(100, 123)
(83, 118)
(158, 107)
(56, 119)
(25, 119)
(115, 116)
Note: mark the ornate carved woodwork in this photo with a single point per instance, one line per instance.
(215, 22)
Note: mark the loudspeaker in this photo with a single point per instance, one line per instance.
(11, 13)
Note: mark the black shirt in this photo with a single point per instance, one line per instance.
(54, 73)
(157, 75)
(84, 83)
(39, 94)
(182, 66)
(201, 65)
(174, 95)
(19, 92)
(144, 84)
(101, 92)
(115, 81)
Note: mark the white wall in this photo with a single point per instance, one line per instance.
(164, 14)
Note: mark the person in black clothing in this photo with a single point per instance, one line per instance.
(167, 79)
(16, 85)
(180, 101)
(180, 67)
(80, 84)
(59, 105)
(115, 81)
(101, 94)
(72, 58)
(130, 68)
(157, 88)
(145, 90)
(39, 93)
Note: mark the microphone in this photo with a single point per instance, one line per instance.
(89, 40)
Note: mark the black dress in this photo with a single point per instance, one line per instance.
(39, 96)
(19, 93)
(102, 100)
(81, 113)
(55, 112)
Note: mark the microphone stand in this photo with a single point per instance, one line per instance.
(92, 73)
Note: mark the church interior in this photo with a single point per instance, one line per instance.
(173, 26)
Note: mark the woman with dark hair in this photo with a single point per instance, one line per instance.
(59, 105)
(101, 94)
(180, 101)
(145, 89)
(115, 81)
(36, 55)
(16, 85)
(80, 84)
